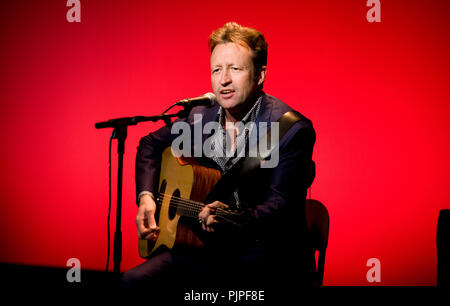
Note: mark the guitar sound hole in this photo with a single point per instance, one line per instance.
(174, 204)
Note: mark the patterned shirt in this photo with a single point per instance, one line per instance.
(225, 158)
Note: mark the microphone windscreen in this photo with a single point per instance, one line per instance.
(210, 95)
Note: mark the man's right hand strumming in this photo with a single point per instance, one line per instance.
(145, 219)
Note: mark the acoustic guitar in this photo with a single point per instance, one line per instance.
(183, 184)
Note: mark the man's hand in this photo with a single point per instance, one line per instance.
(145, 219)
(207, 217)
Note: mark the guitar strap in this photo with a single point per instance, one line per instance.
(246, 165)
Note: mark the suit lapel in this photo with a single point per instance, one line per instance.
(209, 116)
(264, 116)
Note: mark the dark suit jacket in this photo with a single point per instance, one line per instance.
(274, 198)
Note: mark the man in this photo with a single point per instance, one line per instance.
(273, 241)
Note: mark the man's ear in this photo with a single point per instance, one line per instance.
(261, 75)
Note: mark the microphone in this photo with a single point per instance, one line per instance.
(208, 99)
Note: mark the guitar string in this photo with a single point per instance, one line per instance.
(194, 204)
(195, 207)
(186, 206)
(194, 211)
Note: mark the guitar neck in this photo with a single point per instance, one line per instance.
(191, 209)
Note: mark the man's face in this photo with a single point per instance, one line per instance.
(233, 76)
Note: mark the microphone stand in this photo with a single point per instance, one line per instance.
(120, 126)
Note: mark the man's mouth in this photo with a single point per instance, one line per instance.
(226, 93)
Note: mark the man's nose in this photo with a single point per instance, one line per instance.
(225, 77)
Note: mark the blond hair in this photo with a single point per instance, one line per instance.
(250, 38)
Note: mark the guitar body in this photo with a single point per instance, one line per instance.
(180, 178)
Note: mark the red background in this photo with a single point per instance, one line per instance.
(376, 92)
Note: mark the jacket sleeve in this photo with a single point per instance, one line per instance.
(148, 160)
(282, 207)
(290, 178)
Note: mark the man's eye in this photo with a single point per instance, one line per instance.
(235, 68)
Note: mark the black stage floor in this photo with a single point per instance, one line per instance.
(34, 283)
